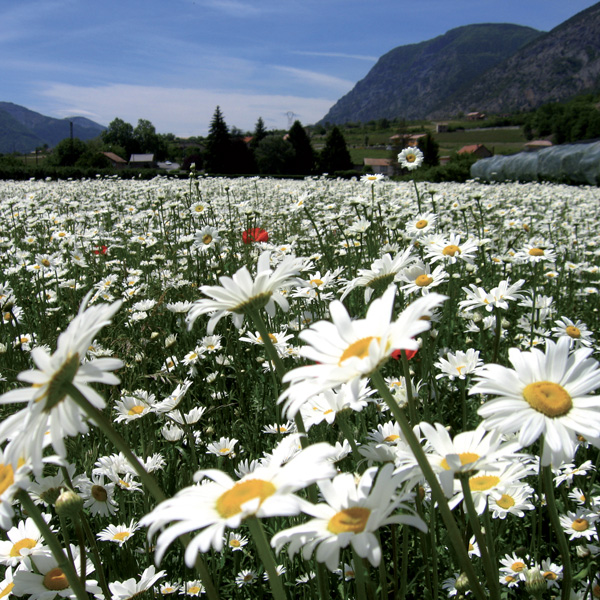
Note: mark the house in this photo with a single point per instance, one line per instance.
(534, 145)
(142, 161)
(406, 139)
(116, 162)
(441, 127)
(478, 150)
(475, 116)
(379, 165)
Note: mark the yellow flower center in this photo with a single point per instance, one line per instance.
(391, 438)
(505, 501)
(410, 158)
(207, 239)
(536, 252)
(580, 524)
(25, 543)
(451, 250)
(122, 535)
(45, 262)
(349, 520)
(136, 410)
(55, 580)
(423, 280)
(99, 493)
(230, 502)
(7, 477)
(518, 566)
(465, 459)
(7, 590)
(550, 575)
(573, 332)
(358, 349)
(421, 224)
(194, 589)
(549, 398)
(235, 543)
(509, 579)
(316, 282)
(483, 482)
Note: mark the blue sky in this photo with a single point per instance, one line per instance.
(174, 61)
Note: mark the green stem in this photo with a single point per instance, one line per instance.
(412, 409)
(498, 334)
(57, 551)
(147, 479)
(359, 575)
(266, 557)
(436, 490)
(558, 531)
(490, 571)
(344, 425)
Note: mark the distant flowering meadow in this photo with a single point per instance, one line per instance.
(306, 389)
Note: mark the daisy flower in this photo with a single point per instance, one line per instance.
(546, 394)
(49, 404)
(580, 524)
(514, 500)
(235, 541)
(206, 238)
(239, 294)
(410, 158)
(224, 447)
(97, 496)
(535, 254)
(223, 502)
(420, 278)
(11, 480)
(497, 297)
(420, 225)
(126, 590)
(351, 514)
(245, 577)
(118, 534)
(372, 177)
(193, 588)
(459, 364)
(383, 272)
(49, 581)
(23, 540)
(347, 351)
(451, 250)
(577, 331)
(469, 452)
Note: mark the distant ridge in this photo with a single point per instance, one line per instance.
(557, 66)
(23, 130)
(491, 68)
(415, 80)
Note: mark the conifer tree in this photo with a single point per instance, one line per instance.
(260, 133)
(335, 156)
(304, 163)
(218, 145)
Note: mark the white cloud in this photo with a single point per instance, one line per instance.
(338, 55)
(181, 111)
(314, 78)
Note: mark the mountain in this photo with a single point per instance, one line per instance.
(491, 68)
(415, 80)
(563, 63)
(22, 130)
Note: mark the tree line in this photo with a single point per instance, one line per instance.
(271, 153)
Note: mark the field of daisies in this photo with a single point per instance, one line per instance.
(244, 388)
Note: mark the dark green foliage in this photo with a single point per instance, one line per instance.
(335, 156)
(275, 156)
(67, 152)
(566, 122)
(430, 149)
(260, 133)
(121, 134)
(304, 161)
(218, 145)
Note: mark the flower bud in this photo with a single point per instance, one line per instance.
(69, 504)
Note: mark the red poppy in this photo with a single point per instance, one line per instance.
(256, 234)
(398, 354)
(100, 250)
